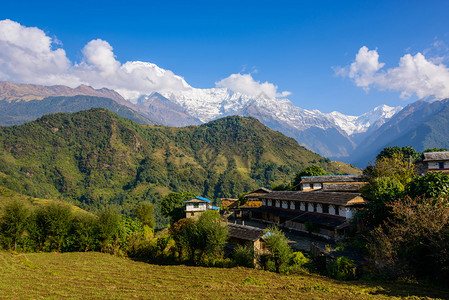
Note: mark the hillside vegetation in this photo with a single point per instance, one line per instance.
(94, 275)
(95, 157)
(7, 196)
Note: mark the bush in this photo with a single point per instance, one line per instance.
(276, 243)
(85, 232)
(343, 269)
(244, 256)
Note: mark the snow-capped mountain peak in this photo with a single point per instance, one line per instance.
(360, 124)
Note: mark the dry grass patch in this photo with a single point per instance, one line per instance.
(96, 275)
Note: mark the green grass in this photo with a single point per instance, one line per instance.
(95, 275)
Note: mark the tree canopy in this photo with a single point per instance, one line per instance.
(172, 205)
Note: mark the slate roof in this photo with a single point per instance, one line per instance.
(256, 193)
(333, 178)
(343, 186)
(244, 232)
(302, 217)
(335, 198)
(433, 156)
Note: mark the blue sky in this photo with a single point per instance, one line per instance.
(296, 45)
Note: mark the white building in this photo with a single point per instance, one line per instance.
(437, 161)
(196, 206)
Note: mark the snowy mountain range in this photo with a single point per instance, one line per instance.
(332, 135)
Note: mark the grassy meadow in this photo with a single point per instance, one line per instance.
(95, 275)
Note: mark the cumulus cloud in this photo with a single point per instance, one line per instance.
(245, 84)
(29, 55)
(414, 75)
(26, 55)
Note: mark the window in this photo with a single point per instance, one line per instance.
(196, 205)
(441, 165)
(298, 205)
(325, 208)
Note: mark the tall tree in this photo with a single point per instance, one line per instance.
(277, 244)
(14, 221)
(172, 205)
(110, 228)
(52, 223)
(145, 213)
(431, 185)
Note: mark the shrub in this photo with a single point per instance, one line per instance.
(244, 256)
(276, 243)
(343, 269)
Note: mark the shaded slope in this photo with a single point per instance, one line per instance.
(420, 125)
(19, 112)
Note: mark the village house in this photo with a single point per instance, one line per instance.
(228, 203)
(246, 236)
(196, 206)
(436, 161)
(251, 201)
(322, 207)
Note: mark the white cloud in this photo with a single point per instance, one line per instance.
(245, 84)
(28, 55)
(414, 74)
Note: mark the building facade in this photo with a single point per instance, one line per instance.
(437, 161)
(323, 206)
(196, 206)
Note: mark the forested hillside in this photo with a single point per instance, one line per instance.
(93, 158)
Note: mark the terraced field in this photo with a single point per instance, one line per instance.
(95, 275)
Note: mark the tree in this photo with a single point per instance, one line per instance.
(431, 185)
(14, 221)
(407, 152)
(183, 233)
(110, 228)
(309, 171)
(145, 213)
(202, 238)
(381, 191)
(435, 150)
(212, 235)
(51, 225)
(414, 240)
(277, 244)
(172, 205)
(395, 166)
(85, 231)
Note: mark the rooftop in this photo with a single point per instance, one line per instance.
(198, 199)
(257, 193)
(431, 156)
(243, 232)
(333, 178)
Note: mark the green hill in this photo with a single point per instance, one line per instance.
(95, 157)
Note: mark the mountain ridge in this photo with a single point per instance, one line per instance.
(95, 157)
